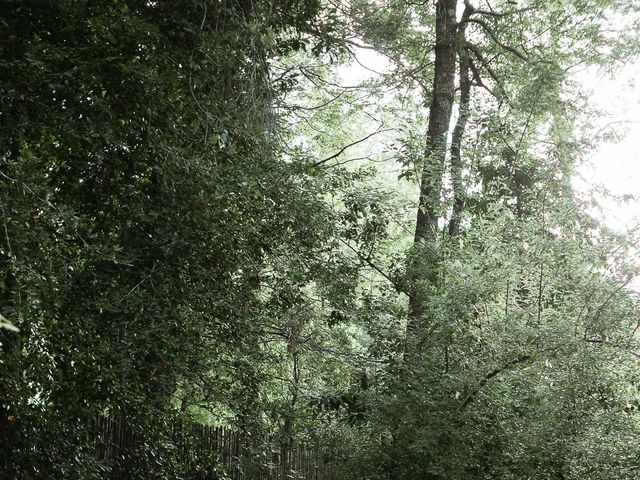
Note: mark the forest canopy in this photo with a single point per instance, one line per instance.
(215, 215)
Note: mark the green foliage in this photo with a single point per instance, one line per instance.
(143, 197)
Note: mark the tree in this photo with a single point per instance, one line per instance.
(143, 191)
(518, 58)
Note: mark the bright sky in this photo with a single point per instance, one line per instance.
(616, 164)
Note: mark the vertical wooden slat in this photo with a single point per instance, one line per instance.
(225, 448)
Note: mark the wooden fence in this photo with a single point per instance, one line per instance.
(230, 455)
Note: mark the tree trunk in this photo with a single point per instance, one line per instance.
(439, 119)
(436, 145)
(458, 131)
(286, 439)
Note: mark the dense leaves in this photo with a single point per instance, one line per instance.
(143, 194)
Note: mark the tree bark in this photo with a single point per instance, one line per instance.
(439, 119)
(464, 70)
(436, 144)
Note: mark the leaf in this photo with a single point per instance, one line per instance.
(4, 323)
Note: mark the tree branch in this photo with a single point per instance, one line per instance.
(470, 397)
(478, 79)
(342, 150)
(487, 66)
(495, 38)
(368, 261)
(490, 13)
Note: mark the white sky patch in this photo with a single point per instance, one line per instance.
(615, 164)
(369, 64)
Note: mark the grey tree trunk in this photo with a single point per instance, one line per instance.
(436, 144)
(464, 72)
